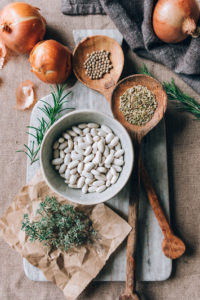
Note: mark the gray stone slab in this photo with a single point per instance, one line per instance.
(152, 265)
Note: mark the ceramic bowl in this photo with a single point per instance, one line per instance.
(53, 179)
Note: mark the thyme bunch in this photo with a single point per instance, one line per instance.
(60, 226)
(183, 100)
(51, 114)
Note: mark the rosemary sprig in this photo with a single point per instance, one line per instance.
(60, 226)
(185, 102)
(51, 114)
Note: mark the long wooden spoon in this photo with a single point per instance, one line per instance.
(137, 133)
(172, 246)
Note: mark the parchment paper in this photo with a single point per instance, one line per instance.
(71, 271)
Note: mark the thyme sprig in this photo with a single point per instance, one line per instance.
(184, 101)
(51, 114)
(61, 226)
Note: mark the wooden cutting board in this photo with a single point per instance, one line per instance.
(152, 264)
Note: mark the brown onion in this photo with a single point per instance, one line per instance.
(21, 26)
(51, 61)
(175, 20)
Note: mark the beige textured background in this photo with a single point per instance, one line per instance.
(183, 137)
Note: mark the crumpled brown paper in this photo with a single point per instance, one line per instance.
(71, 271)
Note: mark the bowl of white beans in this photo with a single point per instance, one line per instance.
(86, 157)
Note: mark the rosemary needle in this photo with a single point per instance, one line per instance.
(51, 114)
(185, 102)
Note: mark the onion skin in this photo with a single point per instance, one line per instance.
(51, 61)
(21, 26)
(175, 20)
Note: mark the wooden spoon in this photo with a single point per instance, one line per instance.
(106, 84)
(172, 246)
(137, 133)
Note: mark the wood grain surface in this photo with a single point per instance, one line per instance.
(183, 137)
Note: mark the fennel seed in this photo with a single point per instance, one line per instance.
(138, 105)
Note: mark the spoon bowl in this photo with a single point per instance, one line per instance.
(106, 84)
(173, 247)
(154, 86)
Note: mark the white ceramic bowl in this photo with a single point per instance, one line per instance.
(53, 179)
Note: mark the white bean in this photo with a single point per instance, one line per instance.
(67, 150)
(108, 183)
(100, 177)
(77, 130)
(73, 171)
(118, 146)
(67, 174)
(86, 174)
(62, 168)
(92, 125)
(101, 169)
(72, 133)
(96, 138)
(81, 182)
(86, 130)
(85, 189)
(70, 144)
(114, 179)
(117, 168)
(109, 175)
(88, 158)
(61, 140)
(88, 166)
(80, 167)
(56, 153)
(88, 138)
(62, 175)
(84, 145)
(97, 158)
(57, 167)
(73, 179)
(56, 145)
(79, 150)
(106, 151)
(89, 180)
(113, 171)
(66, 136)
(118, 162)
(109, 159)
(63, 146)
(102, 133)
(82, 126)
(106, 128)
(92, 189)
(57, 161)
(101, 188)
(101, 145)
(119, 152)
(62, 154)
(93, 132)
(88, 150)
(95, 172)
(114, 142)
(109, 137)
(95, 147)
(73, 164)
(77, 156)
(98, 183)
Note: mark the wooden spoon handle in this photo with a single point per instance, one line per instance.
(133, 220)
(151, 194)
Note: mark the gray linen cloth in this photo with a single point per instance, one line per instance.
(133, 18)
